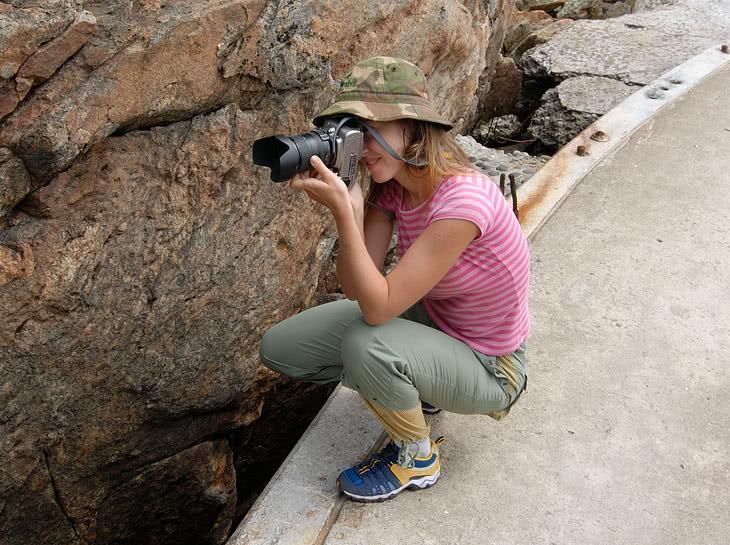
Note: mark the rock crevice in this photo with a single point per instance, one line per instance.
(57, 496)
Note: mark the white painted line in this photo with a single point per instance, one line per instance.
(300, 502)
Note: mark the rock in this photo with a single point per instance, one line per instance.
(44, 62)
(635, 48)
(522, 24)
(148, 254)
(196, 487)
(134, 312)
(9, 98)
(22, 86)
(15, 262)
(497, 130)
(578, 9)
(506, 84)
(494, 162)
(24, 29)
(35, 507)
(572, 106)
(52, 128)
(543, 34)
(15, 182)
(496, 71)
(615, 9)
(539, 5)
(292, 49)
(649, 5)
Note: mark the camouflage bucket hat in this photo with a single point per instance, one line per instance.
(384, 89)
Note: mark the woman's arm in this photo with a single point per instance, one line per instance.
(427, 260)
(377, 230)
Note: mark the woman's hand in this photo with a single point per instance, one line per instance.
(357, 200)
(327, 188)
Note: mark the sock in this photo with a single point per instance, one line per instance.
(409, 451)
(424, 447)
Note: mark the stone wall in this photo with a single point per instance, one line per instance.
(142, 254)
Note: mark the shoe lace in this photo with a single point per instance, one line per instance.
(387, 455)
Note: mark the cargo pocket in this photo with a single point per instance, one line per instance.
(509, 370)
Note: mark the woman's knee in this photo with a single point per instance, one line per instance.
(368, 365)
(357, 340)
(306, 346)
(271, 351)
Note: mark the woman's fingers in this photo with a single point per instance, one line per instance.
(321, 185)
(319, 171)
(322, 169)
(306, 182)
(297, 182)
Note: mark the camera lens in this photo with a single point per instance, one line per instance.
(289, 155)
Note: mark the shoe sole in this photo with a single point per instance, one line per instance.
(419, 483)
(430, 411)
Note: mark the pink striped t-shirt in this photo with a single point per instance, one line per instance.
(482, 300)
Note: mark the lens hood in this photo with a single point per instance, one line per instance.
(280, 154)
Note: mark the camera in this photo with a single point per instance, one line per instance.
(338, 142)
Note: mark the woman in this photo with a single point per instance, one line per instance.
(447, 325)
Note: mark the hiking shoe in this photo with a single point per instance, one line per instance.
(394, 469)
(427, 408)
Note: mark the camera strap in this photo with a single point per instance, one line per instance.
(380, 140)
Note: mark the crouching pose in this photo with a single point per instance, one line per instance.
(447, 326)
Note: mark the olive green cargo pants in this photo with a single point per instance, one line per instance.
(395, 365)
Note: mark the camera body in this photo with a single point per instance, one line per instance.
(337, 142)
(348, 150)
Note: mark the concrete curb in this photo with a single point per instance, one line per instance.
(300, 503)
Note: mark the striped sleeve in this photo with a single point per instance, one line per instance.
(467, 198)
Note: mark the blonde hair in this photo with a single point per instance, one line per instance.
(431, 144)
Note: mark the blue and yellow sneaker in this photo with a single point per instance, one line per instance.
(394, 469)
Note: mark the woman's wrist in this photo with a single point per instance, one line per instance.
(343, 213)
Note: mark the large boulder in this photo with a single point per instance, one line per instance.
(521, 24)
(573, 105)
(142, 255)
(589, 66)
(530, 29)
(635, 48)
(149, 269)
(506, 84)
(150, 66)
(578, 9)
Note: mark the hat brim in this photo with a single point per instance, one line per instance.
(383, 111)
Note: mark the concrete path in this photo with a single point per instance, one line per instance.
(624, 434)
